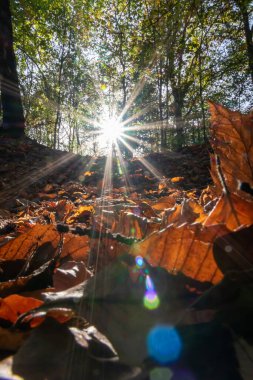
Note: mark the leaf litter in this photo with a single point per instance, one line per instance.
(147, 282)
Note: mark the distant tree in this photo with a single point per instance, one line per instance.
(246, 10)
(13, 120)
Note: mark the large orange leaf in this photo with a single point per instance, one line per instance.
(30, 254)
(44, 238)
(39, 235)
(187, 248)
(233, 211)
(188, 212)
(232, 141)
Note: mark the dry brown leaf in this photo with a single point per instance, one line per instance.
(188, 212)
(13, 306)
(117, 298)
(131, 225)
(164, 202)
(11, 340)
(187, 249)
(29, 255)
(39, 235)
(45, 196)
(70, 274)
(54, 351)
(76, 247)
(176, 179)
(63, 209)
(233, 211)
(146, 210)
(81, 214)
(232, 141)
(234, 251)
(48, 187)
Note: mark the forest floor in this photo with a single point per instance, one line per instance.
(144, 277)
(27, 167)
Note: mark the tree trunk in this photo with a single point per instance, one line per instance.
(248, 31)
(160, 104)
(13, 120)
(178, 112)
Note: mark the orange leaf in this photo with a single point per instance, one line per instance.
(130, 224)
(188, 248)
(45, 196)
(13, 306)
(63, 209)
(34, 251)
(233, 211)
(20, 247)
(81, 214)
(188, 212)
(176, 179)
(232, 141)
(88, 174)
(164, 202)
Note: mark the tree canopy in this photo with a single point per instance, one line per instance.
(153, 64)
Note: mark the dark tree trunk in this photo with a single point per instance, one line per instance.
(13, 121)
(178, 112)
(249, 40)
(248, 31)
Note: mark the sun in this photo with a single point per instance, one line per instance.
(111, 130)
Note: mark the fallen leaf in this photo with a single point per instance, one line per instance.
(62, 209)
(45, 196)
(81, 214)
(187, 249)
(11, 340)
(29, 258)
(164, 202)
(131, 225)
(176, 179)
(231, 210)
(232, 141)
(114, 300)
(13, 306)
(70, 274)
(234, 251)
(189, 211)
(59, 352)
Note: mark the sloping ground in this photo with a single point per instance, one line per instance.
(26, 167)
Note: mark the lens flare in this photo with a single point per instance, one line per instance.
(161, 373)
(139, 262)
(149, 284)
(164, 344)
(151, 300)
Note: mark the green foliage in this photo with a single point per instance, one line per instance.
(78, 60)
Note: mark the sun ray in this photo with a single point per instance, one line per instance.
(138, 114)
(148, 126)
(37, 174)
(145, 163)
(131, 138)
(136, 91)
(124, 169)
